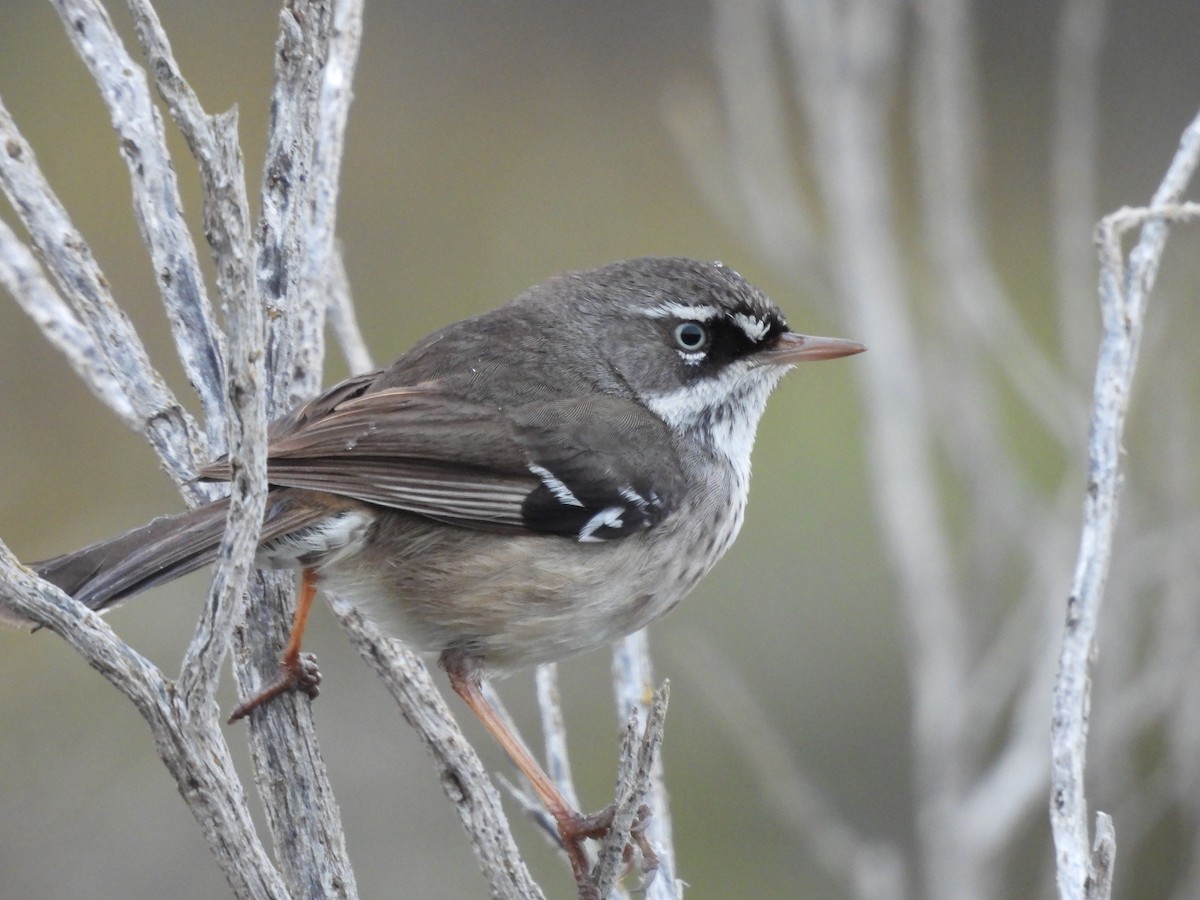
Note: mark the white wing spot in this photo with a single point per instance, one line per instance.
(606, 518)
(634, 497)
(561, 492)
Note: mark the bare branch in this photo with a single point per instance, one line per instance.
(157, 204)
(157, 414)
(24, 279)
(342, 318)
(1124, 294)
(214, 142)
(188, 741)
(290, 773)
(297, 798)
(633, 682)
(462, 774)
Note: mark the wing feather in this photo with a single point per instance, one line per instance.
(593, 469)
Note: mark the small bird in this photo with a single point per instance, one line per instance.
(518, 487)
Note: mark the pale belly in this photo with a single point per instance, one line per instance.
(512, 601)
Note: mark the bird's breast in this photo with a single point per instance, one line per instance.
(513, 600)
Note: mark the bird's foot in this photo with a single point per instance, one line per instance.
(297, 674)
(574, 828)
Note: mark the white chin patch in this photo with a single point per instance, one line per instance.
(723, 411)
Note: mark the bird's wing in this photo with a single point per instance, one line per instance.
(595, 469)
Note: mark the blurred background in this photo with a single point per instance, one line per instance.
(492, 145)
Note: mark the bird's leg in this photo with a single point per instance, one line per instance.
(573, 827)
(297, 671)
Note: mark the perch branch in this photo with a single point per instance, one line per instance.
(191, 747)
(1124, 293)
(460, 771)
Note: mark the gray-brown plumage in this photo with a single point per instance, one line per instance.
(519, 486)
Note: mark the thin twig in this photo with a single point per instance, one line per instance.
(1124, 294)
(343, 320)
(633, 683)
(462, 775)
(633, 787)
(68, 259)
(156, 200)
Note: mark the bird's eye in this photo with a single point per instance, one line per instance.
(691, 337)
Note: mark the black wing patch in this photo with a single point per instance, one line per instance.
(606, 467)
(595, 469)
(591, 511)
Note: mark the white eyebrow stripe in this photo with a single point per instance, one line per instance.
(673, 310)
(755, 328)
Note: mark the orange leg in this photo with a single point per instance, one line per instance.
(573, 827)
(295, 671)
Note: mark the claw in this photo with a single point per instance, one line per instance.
(637, 834)
(300, 674)
(297, 671)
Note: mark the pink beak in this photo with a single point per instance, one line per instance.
(790, 348)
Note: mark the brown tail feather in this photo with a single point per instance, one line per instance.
(104, 574)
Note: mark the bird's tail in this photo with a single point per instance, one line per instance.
(104, 574)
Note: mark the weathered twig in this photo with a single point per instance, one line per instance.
(638, 752)
(156, 413)
(1124, 294)
(191, 746)
(463, 776)
(633, 683)
(157, 204)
